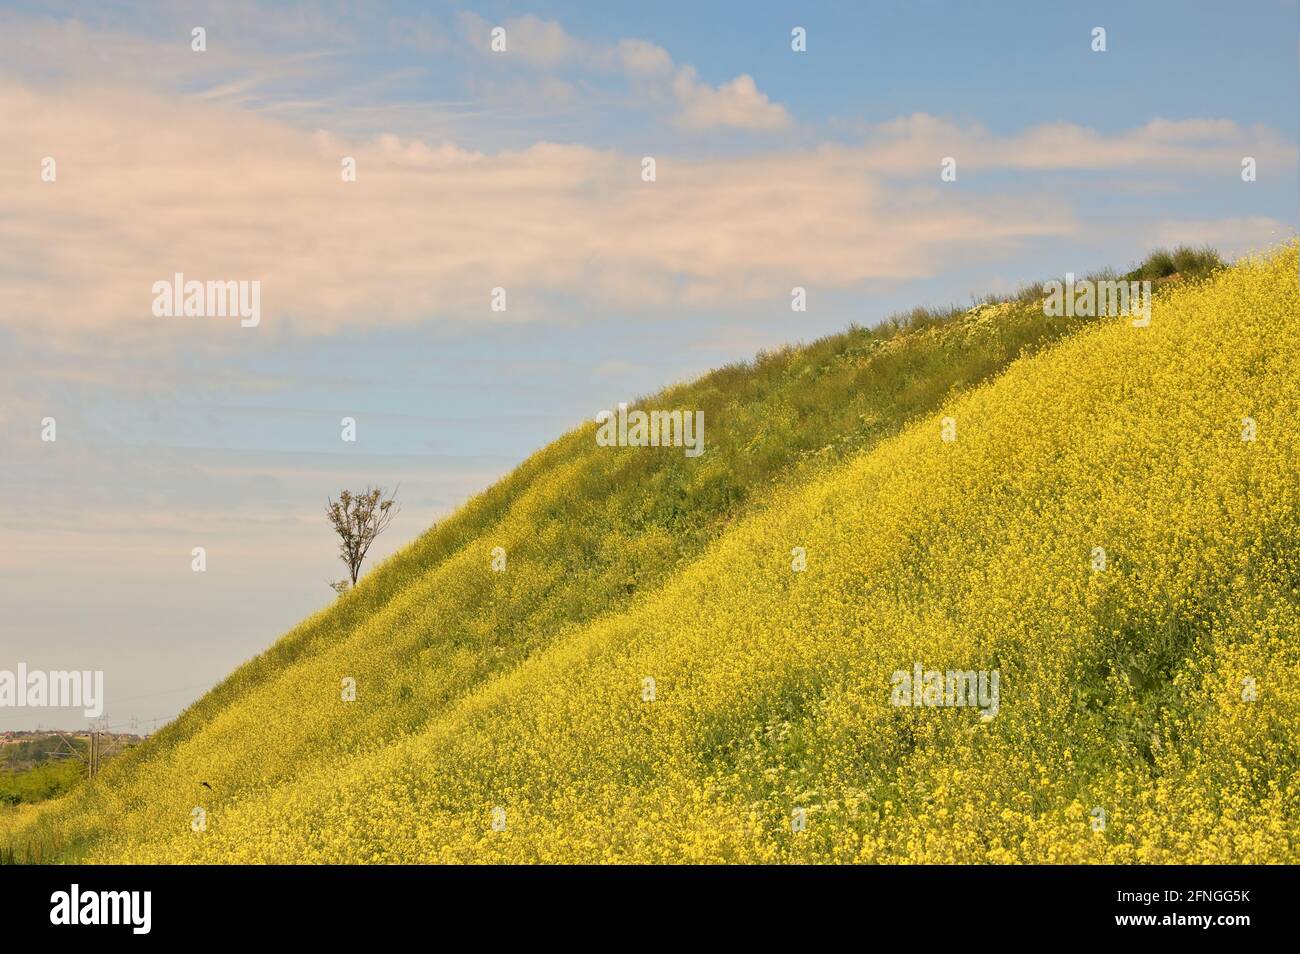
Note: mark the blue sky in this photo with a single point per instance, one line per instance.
(519, 170)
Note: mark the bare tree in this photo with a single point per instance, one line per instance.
(357, 519)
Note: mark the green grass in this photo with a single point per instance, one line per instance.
(41, 782)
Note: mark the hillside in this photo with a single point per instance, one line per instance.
(1121, 687)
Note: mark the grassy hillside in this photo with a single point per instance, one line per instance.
(1121, 689)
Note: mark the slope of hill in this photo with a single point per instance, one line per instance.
(1121, 678)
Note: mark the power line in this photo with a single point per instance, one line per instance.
(163, 692)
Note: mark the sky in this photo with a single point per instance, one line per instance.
(519, 169)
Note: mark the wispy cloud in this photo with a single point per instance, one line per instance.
(912, 145)
(546, 45)
(541, 43)
(1233, 236)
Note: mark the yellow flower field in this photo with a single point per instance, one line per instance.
(1148, 696)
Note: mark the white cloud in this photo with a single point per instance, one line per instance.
(151, 185)
(738, 104)
(545, 44)
(642, 58)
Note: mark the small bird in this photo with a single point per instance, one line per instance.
(205, 785)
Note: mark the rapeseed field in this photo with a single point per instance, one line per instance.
(692, 660)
